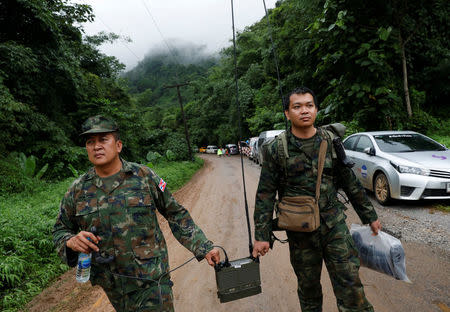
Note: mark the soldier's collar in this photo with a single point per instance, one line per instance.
(291, 136)
(126, 167)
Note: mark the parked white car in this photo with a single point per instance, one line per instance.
(211, 149)
(400, 164)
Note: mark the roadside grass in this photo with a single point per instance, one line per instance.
(442, 134)
(443, 139)
(28, 261)
(176, 174)
(443, 208)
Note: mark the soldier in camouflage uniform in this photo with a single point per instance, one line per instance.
(119, 199)
(331, 242)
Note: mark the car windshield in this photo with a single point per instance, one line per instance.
(406, 142)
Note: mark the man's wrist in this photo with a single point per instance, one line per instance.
(262, 236)
(204, 248)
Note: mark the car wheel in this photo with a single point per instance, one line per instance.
(381, 189)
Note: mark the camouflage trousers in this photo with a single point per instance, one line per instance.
(334, 246)
(148, 298)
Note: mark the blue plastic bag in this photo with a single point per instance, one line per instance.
(383, 253)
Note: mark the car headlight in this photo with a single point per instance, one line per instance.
(411, 170)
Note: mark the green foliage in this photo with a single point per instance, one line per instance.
(351, 127)
(443, 208)
(170, 155)
(349, 54)
(441, 133)
(28, 262)
(48, 75)
(74, 171)
(13, 178)
(176, 174)
(28, 166)
(443, 139)
(27, 258)
(422, 122)
(176, 143)
(153, 157)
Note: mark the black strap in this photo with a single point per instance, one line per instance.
(250, 244)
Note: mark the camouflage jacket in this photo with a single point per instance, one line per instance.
(300, 179)
(126, 221)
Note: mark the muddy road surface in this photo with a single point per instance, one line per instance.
(215, 199)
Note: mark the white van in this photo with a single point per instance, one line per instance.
(264, 137)
(253, 148)
(211, 149)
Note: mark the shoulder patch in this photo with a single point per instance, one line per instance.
(162, 185)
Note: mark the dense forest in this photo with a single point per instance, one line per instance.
(374, 65)
(381, 64)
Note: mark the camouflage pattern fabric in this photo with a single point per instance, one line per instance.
(98, 124)
(125, 219)
(334, 246)
(301, 180)
(150, 298)
(332, 240)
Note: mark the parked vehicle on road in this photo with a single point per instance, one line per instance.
(253, 151)
(202, 149)
(232, 149)
(211, 149)
(263, 138)
(400, 164)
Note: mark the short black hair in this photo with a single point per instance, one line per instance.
(116, 135)
(299, 90)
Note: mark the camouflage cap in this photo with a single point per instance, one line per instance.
(98, 124)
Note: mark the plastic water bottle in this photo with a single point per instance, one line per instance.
(83, 267)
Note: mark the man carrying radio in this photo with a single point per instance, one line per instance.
(303, 167)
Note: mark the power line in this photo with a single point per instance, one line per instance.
(120, 39)
(162, 36)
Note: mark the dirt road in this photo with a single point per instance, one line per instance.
(215, 199)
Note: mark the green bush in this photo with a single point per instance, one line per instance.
(13, 178)
(28, 261)
(176, 143)
(28, 165)
(441, 134)
(352, 127)
(443, 139)
(422, 122)
(176, 174)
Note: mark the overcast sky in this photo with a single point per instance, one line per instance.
(202, 22)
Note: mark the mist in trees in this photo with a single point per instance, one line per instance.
(357, 57)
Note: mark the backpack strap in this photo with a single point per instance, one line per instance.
(282, 149)
(332, 131)
(330, 137)
(321, 163)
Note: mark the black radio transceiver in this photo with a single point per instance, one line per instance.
(237, 279)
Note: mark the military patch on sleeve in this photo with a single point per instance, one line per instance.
(162, 185)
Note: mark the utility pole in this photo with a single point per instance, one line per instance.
(184, 117)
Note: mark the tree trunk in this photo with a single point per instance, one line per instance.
(405, 76)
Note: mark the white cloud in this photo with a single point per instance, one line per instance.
(202, 22)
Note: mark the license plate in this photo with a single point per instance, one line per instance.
(448, 187)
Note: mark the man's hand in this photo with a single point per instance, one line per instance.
(375, 226)
(213, 257)
(260, 248)
(80, 242)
